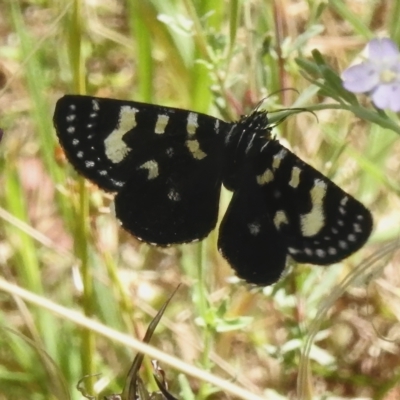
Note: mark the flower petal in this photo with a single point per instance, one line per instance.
(383, 48)
(387, 96)
(360, 78)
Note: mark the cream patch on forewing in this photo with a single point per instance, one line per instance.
(194, 148)
(162, 121)
(192, 123)
(312, 222)
(295, 178)
(115, 148)
(280, 218)
(152, 167)
(278, 158)
(267, 176)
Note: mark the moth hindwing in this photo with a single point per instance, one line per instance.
(166, 166)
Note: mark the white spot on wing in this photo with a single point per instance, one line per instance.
(115, 148)
(295, 178)
(292, 250)
(313, 222)
(194, 148)
(162, 121)
(266, 177)
(352, 237)
(174, 195)
(95, 105)
(152, 167)
(117, 183)
(216, 126)
(332, 251)
(192, 123)
(357, 228)
(278, 157)
(254, 228)
(320, 253)
(280, 218)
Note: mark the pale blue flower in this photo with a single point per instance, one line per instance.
(379, 75)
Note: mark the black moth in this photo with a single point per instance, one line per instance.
(167, 165)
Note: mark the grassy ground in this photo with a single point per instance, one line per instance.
(60, 246)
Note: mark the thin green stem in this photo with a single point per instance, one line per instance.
(81, 228)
